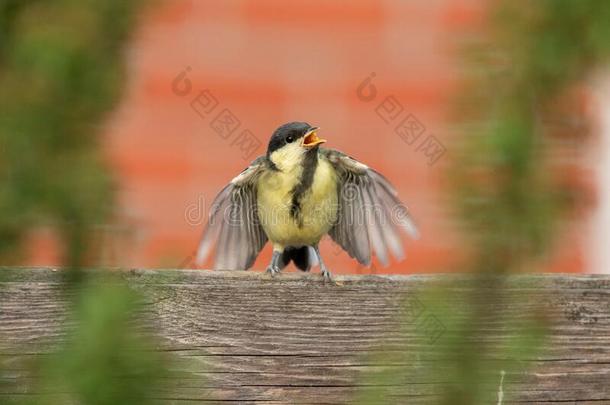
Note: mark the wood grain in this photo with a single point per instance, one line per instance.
(242, 336)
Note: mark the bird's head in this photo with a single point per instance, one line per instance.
(291, 142)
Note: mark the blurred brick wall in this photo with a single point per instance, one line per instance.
(273, 61)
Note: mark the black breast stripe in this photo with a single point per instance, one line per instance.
(309, 168)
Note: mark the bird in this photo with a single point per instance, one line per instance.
(293, 196)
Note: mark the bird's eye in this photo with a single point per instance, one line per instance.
(289, 139)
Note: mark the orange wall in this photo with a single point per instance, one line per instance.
(273, 61)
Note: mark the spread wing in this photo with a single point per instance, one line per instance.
(370, 213)
(233, 224)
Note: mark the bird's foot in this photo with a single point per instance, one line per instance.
(327, 276)
(274, 270)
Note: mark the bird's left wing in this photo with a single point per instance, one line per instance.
(233, 224)
(370, 214)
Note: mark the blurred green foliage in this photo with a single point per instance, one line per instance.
(109, 359)
(476, 352)
(504, 191)
(61, 71)
(507, 197)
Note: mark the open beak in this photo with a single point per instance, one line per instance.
(311, 138)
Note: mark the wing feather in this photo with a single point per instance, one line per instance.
(360, 236)
(374, 230)
(233, 225)
(384, 216)
(370, 213)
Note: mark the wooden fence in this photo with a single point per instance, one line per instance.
(245, 337)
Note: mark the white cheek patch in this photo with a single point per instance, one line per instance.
(288, 156)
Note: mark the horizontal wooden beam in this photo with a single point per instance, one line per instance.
(245, 336)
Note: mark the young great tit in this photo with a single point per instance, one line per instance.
(293, 196)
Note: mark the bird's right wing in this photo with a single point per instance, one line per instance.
(234, 225)
(370, 213)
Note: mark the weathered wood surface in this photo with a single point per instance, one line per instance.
(249, 338)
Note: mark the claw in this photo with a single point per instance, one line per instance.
(274, 271)
(328, 278)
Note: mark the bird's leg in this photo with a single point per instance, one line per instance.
(274, 266)
(323, 269)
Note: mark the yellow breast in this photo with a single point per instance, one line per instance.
(318, 206)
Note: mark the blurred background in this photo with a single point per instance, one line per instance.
(207, 82)
(121, 120)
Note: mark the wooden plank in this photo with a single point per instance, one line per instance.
(242, 336)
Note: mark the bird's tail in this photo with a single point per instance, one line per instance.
(303, 257)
